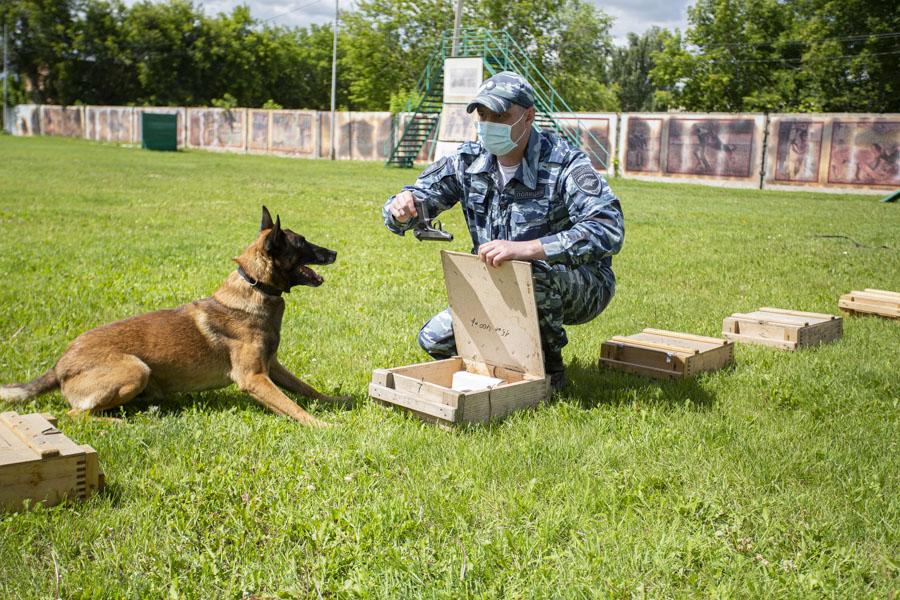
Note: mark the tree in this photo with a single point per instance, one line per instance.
(102, 69)
(630, 71)
(300, 70)
(569, 41)
(167, 46)
(41, 33)
(578, 64)
(782, 55)
(388, 43)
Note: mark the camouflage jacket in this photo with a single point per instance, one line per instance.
(555, 196)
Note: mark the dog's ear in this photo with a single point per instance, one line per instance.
(275, 239)
(266, 220)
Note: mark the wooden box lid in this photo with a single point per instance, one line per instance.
(27, 438)
(788, 318)
(872, 301)
(494, 312)
(672, 342)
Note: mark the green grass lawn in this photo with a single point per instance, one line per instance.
(776, 478)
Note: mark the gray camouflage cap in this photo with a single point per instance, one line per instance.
(504, 88)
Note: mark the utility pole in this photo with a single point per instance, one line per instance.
(5, 71)
(334, 76)
(456, 22)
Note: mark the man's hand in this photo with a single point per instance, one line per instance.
(403, 207)
(497, 252)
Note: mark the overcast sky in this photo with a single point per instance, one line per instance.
(630, 15)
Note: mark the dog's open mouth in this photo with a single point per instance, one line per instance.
(313, 277)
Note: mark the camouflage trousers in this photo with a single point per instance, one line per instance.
(564, 296)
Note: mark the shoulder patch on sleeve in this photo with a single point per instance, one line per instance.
(434, 167)
(587, 180)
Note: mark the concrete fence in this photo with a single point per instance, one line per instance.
(831, 152)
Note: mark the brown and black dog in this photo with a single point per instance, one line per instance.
(231, 336)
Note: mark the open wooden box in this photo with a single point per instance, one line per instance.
(666, 354)
(786, 329)
(872, 302)
(39, 463)
(496, 329)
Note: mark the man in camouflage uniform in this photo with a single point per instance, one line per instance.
(526, 195)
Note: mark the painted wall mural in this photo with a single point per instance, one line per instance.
(596, 133)
(462, 78)
(819, 150)
(693, 146)
(710, 147)
(369, 134)
(27, 119)
(293, 132)
(62, 120)
(456, 124)
(109, 124)
(216, 128)
(798, 150)
(849, 151)
(865, 152)
(643, 144)
(259, 130)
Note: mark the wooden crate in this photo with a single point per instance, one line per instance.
(39, 463)
(786, 329)
(666, 354)
(872, 302)
(496, 329)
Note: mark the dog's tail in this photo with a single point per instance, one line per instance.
(22, 392)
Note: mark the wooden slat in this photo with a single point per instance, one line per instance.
(426, 390)
(630, 341)
(877, 309)
(797, 313)
(687, 336)
(748, 339)
(20, 428)
(888, 293)
(867, 308)
(499, 402)
(441, 411)
(639, 369)
(765, 318)
(503, 373)
(46, 480)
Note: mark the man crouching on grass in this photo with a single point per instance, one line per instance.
(526, 195)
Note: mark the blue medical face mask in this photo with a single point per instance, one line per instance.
(497, 137)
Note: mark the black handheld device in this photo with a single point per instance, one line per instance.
(425, 230)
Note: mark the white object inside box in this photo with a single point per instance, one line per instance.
(464, 381)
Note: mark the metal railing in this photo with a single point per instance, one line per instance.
(501, 48)
(500, 51)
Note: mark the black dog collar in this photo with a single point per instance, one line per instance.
(258, 285)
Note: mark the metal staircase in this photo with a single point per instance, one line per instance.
(500, 52)
(420, 116)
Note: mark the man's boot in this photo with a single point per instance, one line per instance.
(555, 369)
